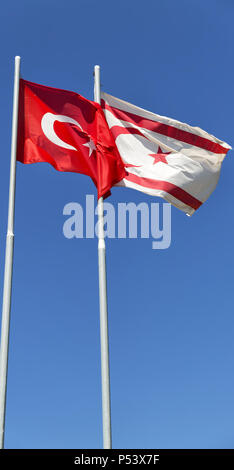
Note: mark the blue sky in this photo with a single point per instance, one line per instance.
(170, 311)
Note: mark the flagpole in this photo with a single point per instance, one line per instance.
(6, 305)
(106, 411)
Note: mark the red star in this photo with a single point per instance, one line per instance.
(160, 156)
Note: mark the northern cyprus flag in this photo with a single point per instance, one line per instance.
(164, 157)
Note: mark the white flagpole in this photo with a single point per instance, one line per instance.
(6, 305)
(106, 412)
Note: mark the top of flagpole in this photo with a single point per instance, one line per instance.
(97, 84)
(17, 62)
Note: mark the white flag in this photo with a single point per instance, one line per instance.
(164, 157)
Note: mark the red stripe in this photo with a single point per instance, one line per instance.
(117, 130)
(166, 130)
(169, 188)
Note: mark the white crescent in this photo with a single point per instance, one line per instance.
(47, 125)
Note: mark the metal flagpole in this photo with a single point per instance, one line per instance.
(106, 412)
(6, 305)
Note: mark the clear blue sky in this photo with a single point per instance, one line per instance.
(170, 312)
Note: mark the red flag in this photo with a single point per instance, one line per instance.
(69, 132)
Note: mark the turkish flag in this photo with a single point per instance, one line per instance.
(69, 132)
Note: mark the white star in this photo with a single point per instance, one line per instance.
(91, 146)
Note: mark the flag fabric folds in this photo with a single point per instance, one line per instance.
(164, 157)
(69, 132)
